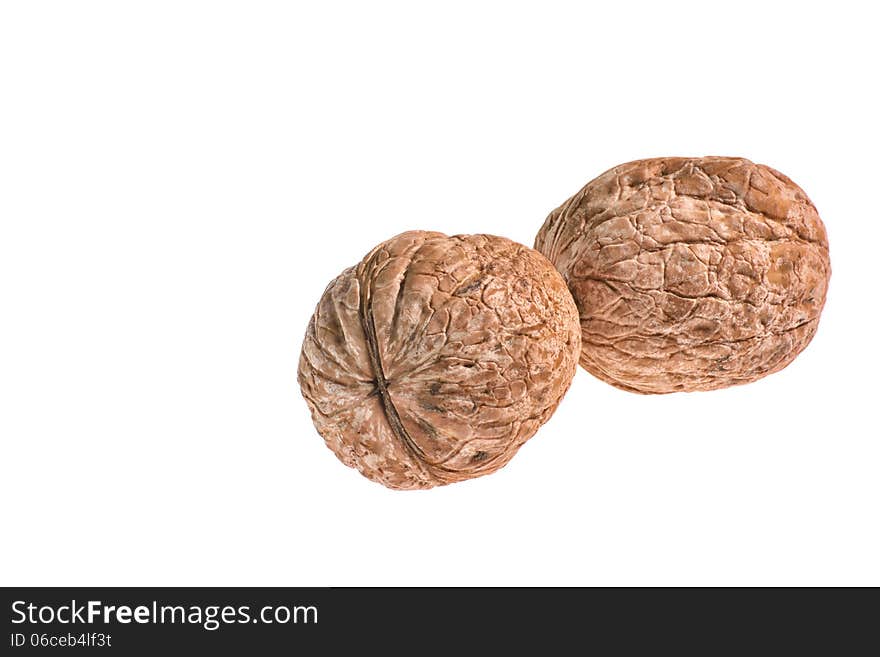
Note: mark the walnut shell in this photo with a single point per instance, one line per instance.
(435, 358)
(690, 273)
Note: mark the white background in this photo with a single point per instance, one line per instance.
(180, 180)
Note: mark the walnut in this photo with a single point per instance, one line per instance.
(690, 273)
(435, 358)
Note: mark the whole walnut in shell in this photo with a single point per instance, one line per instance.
(435, 358)
(690, 273)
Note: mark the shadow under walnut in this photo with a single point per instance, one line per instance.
(690, 273)
(435, 358)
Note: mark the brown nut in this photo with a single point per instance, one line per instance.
(435, 358)
(690, 273)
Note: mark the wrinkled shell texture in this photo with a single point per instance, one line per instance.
(690, 273)
(434, 359)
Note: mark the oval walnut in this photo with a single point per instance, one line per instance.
(435, 358)
(690, 273)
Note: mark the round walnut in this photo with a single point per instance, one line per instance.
(690, 273)
(435, 358)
